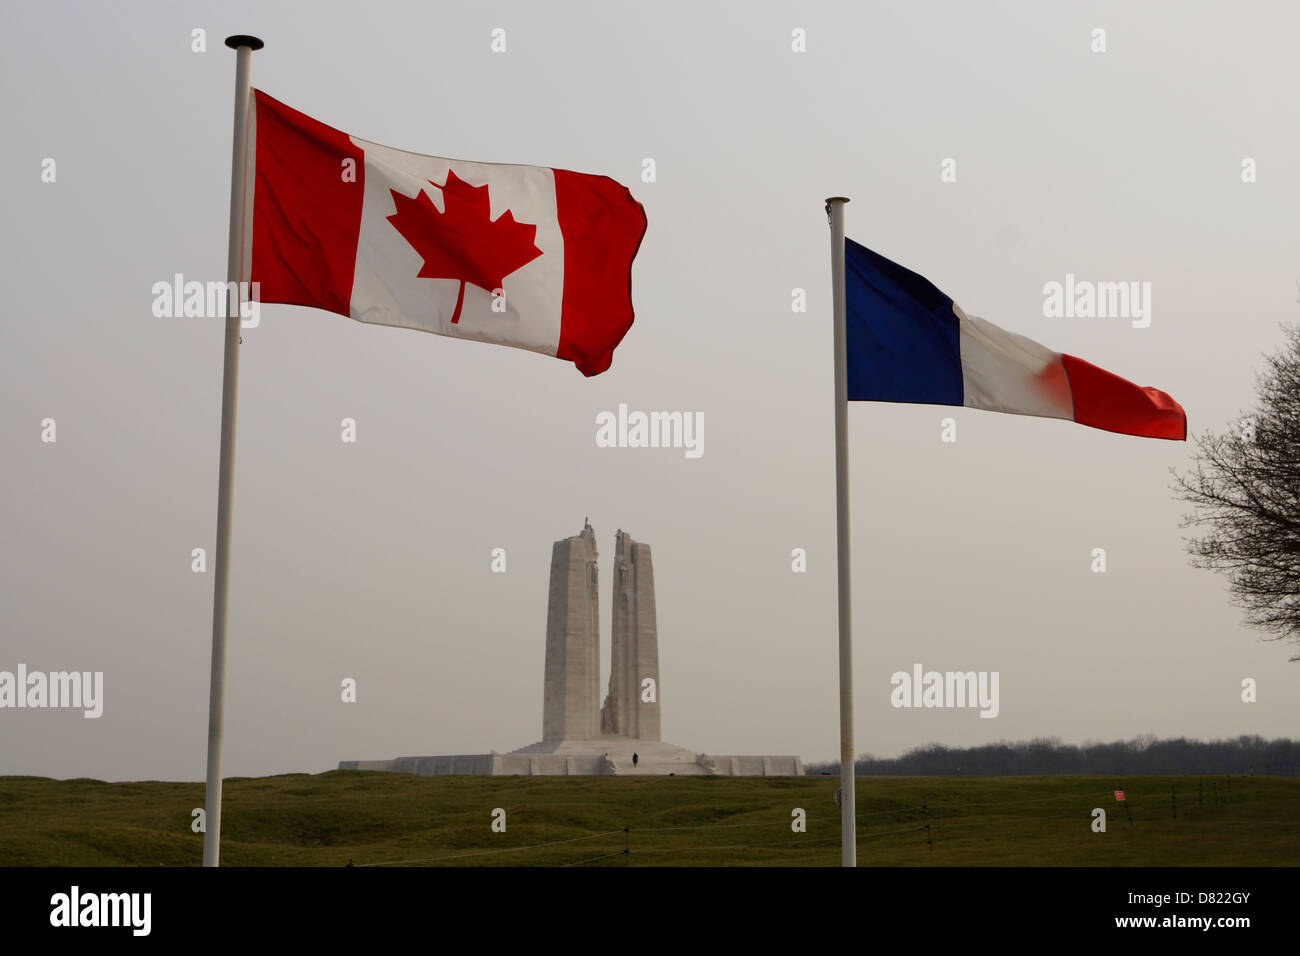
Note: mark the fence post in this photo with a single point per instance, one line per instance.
(925, 805)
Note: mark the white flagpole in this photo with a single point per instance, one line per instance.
(848, 796)
(244, 47)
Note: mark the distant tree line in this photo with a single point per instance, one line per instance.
(1048, 755)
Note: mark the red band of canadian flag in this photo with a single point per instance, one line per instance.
(526, 256)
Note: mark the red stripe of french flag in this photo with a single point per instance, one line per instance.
(326, 239)
(1104, 400)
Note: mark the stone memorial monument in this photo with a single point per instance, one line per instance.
(580, 735)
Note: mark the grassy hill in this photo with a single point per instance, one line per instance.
(377, 818)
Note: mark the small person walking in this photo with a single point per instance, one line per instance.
(634, 759)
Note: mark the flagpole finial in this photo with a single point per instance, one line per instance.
(831, 199)
(241, 39)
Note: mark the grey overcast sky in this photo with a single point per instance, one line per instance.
(372, 560)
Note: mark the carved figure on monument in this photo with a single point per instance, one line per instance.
(607, 715)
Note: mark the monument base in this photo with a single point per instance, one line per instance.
(606, 756)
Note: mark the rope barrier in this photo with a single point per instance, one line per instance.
(1016, 803)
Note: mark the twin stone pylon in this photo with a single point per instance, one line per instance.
(571, 710)
(580, 736)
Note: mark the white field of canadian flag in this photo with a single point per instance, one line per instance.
(525, 256)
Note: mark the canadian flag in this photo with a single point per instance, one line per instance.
(526, 256)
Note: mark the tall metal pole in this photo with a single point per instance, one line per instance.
(848, 796)
(244, 47)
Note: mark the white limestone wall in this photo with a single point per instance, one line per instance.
(653, 763)
(570, 699)
(647, 644)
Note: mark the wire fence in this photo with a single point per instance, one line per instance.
(928, 824)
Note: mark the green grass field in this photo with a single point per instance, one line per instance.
(378, 818)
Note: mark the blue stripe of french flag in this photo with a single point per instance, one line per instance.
(908, 342)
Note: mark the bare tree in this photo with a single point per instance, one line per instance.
(1245, 493)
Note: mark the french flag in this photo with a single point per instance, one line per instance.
(908, 342)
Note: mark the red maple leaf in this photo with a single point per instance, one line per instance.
(462, 242)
